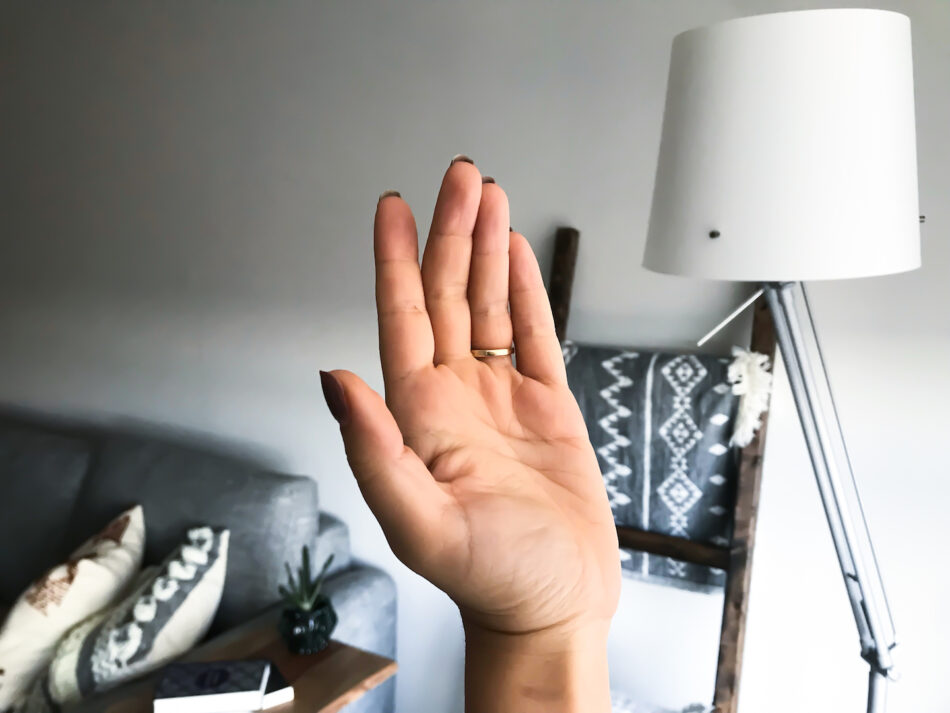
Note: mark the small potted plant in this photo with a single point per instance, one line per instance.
(308, 617)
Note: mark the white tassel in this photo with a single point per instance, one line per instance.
(752, 382)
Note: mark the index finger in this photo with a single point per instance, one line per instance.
(405, 333)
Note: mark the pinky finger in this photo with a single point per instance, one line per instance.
(538, 351)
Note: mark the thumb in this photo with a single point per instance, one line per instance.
(395, 483)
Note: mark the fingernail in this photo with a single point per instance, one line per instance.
(336, 399)
(510, 229)
(487, 179)
(461, 157)
(387, 194)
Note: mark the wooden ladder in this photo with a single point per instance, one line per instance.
(736, 559)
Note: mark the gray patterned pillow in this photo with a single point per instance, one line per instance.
(661, 425)
(167, 613)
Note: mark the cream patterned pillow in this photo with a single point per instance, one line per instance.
(93, 577)
(167, 613)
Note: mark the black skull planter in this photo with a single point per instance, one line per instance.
(308, 618)
(307, 632)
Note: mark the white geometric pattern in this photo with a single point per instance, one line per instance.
(659, 480)
(680, 433)
(568, 351)
(679, 494)
(675, 568)
(609, 422)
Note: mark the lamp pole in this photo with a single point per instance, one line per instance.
(808, 378)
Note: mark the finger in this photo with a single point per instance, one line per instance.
(538, 352)
(411, 508)
(488, 278)
(405, 334)
(445, 263)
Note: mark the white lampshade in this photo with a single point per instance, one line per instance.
(792, 135)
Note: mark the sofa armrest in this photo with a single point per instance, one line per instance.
(333, 538)
(365, 601)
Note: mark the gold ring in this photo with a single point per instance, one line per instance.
(482, 353)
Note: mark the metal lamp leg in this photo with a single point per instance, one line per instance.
(811, 389)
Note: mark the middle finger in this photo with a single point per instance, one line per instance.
(445, 262)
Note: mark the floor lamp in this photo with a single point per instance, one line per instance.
(788, 154)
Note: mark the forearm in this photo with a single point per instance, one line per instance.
(550, 672)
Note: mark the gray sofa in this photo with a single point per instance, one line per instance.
(60, 483)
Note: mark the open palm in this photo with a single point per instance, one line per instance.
(479, 471)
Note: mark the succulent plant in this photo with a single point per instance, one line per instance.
(303, 591)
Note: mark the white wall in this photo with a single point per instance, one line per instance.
(186, 206)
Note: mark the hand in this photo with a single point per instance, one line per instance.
(480, 473)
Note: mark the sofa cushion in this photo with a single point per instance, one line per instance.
(40, 476)
(270, 516)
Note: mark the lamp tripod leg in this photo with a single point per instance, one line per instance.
(848, 527)
(877, 690)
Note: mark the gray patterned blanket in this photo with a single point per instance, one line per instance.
(660, 424)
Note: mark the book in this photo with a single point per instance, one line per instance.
(213, 687)
(278, 690)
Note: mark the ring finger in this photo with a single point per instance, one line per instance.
(488, 274)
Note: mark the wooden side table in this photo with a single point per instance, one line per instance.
(323, 682)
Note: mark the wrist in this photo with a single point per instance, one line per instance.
(561, 669)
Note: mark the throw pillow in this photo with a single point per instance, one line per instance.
(38, 699)
(165, 616)
(93, 577)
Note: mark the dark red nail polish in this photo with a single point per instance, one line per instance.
(487, 179)
(461, 157)
(336, 399)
